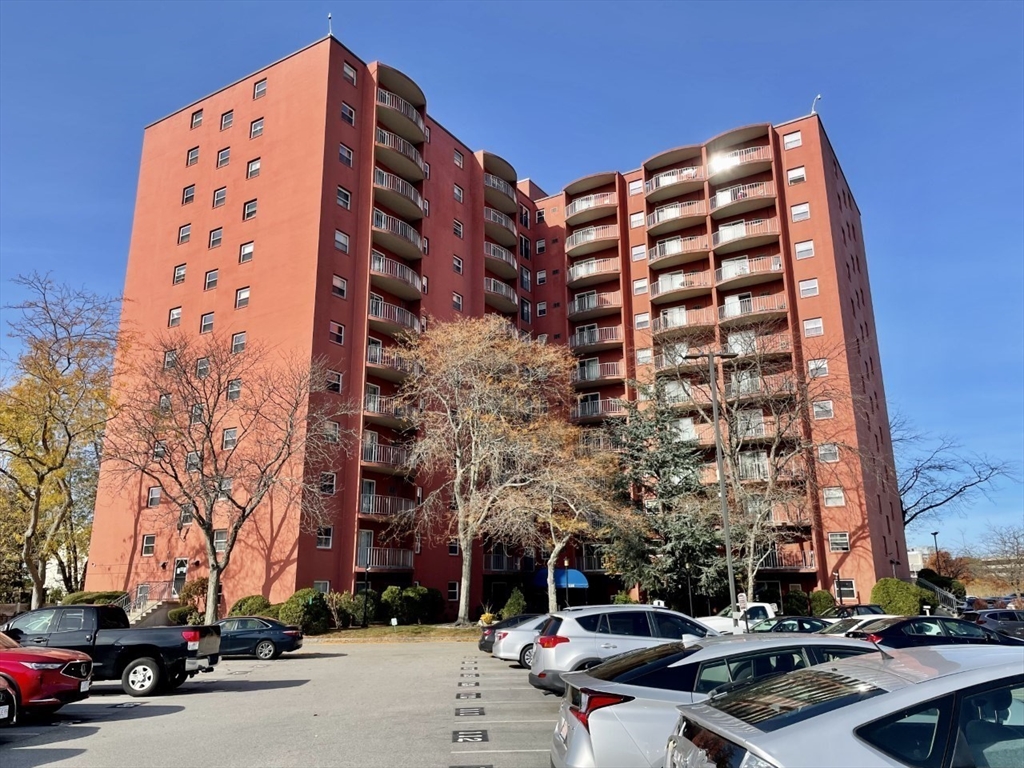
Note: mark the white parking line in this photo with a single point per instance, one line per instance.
(493, 751)
(484, 721)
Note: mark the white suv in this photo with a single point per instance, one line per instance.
(578, 638)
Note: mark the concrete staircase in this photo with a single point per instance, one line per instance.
(946, 603)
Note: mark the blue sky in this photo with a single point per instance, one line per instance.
(924, 103)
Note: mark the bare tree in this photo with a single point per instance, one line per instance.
(999, 557)
(223, 429)
(477, 393)
(53, 409)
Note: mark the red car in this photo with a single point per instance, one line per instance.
(8, 704)
(44, 679)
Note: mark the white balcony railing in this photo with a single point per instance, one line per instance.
(590, 234)
(590, 201)
(384, 558)
(765, 344)
(758, 189)
(386, 406)
(388, 359)
(729, 232)
(390, 313)
(595, 267)
(388, 223)
(494, 182)
(382, 265)
(596, 408)
(497, 217)
(501, 289)
(752, 306)
(758, 265)
(676, 211)
(397, 103)
(682, 318)
(498, 253)
(668, 283)
(784, 559)
(374, 504)
(590, 301)
(384, 180)
(677, 245)
(593, 336)
(395, 142)
(737, 157)
(596, 372)
(392, 455)
(674, 176)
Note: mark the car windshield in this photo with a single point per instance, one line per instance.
(868, 609)
(617, 667)
(780, 701)
(765, 626)
(883, 624)
(7, 643)
(841, 627)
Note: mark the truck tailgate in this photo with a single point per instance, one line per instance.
(209, 641)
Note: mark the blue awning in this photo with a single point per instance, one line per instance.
(564, 578)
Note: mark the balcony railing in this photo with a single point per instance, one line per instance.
(499, 563)
(775, 384)
(677, 246)
(677, 319)
(591, 234)
(397, 103)
(738, 231)
(765, 429)
(592, 301)
(495, 182)
(384, 180)
(675, 176)
(384, 506)
(784, 559)
(496, 286)
(382, 265)
(593, 564)
(759, 265)
(675, 211)
(387, 406)
(384, 558)
(752, 306)
(597, 408)
(669, 283)
(392, 455)
(596, 372)
(395, 142)
(507, 261)
(764, 344)
(672, 358)
(590, 201)
(391, 313)
(755, 190)
(596, 441)
(738, 157)
(595, 267)
(497, 217)
(702, 434)
(388, 223)
(593, 336)
(385, 357)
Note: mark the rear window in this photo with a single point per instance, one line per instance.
(627, 666)
(866, 610)
(589, 623)
(971, 616)
(551, 627)
(841, 627)
(882, 624)
(110, 617)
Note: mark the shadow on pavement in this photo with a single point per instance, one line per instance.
(314, 655)
(236, 686)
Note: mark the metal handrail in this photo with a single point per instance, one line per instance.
(607, 407)
(375, 504)
(742, 192)
(753, 305)
(596, 372)
(755, 266)
(589, 301)
(738, 157)
(498, 183)
(678, 318)
(496, 286)
(386, 406)
(669, 283)
(383, 557)
(595, 336)
(581, 236)
(595, 267)
(748, 229)
(377, 453)
(590, 201)
(501, 254)
(497, 217)
(676, 245)
(676, 211)
(397, 103)
(393, 141)
(394, 225)
(385, 357)
(390, 181)
(674, 176)
(382, 265)
(382, 310)
(947, 600)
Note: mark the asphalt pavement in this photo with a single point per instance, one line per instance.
(366, 705)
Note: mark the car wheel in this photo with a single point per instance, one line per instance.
(526, 656)
(175, 679)
(266, 650)
(141, 677)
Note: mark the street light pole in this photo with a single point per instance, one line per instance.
(689, 590)
(726, 535)
(935, 538)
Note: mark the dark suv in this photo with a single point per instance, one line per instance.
(1001, 620)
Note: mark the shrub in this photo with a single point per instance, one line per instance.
(307, 609)
(77, 598)
(958, 589)
(623, 598)
(249, 606)
(821, 601)
(795, 604)
(104, 598)
(365, 603)
(194, 593)
(338, 605)
(515, 605)
(393, 604)
(434, 605)
(900, 598)
(99, 598)
(179, 616)
(272, 612)
(54, 595)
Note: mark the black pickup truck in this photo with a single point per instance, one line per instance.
(146, 660)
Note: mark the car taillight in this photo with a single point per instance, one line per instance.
(979, 620)
(502, 635)
(190, 635)
(591, 701)
(293, 632)
(550, 641)
(874, 638)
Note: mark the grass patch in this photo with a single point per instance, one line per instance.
(405, 634)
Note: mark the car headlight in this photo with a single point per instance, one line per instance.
(38, 665)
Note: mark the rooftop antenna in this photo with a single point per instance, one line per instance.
(330, 33)
(814, 104)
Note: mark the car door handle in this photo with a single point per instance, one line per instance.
(38, 640)
(608, 645)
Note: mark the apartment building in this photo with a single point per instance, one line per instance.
(323, 191)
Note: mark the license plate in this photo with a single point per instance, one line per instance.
(83, 686)
(563, 729)
(193, 645)
(3, 711)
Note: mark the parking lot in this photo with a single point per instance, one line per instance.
(387, 704)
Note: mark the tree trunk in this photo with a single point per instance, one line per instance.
(467, 573)
(552, 589)
(37, 575)
(38, 593)
(211, 595)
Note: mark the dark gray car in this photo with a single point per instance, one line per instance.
(1001, 620)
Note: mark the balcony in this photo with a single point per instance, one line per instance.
(594, 410)
(596, 339)
(676, 216)
(788, 560)
(391, 459)
(754, 308)
(400, 116)
(587, 306)
(680, 321)
(673, 358)
(397, 236)
(392, 319)
(598, 373)
(500, 228)
(388, 364)
(673, 183)
(496, 562)
(384, 559)
(594, 441)
(384, 506)
(399, 155)
(726, 166)
(699, 434)
(745, 234)
(739, 273)
(678, 250)
(680, 285)
(500, 296)
(591, 239)
(766, 430)
(592, 564)
(500, 261)
(386, 410)
(500, 194)
(592, 272)
(764, 345)
(395, 277)
(396, 193)
(760, 387)
(745, 197)
(584, 209)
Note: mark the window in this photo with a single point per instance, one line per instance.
(227, 120)
(184, 233)
(453, 548)
(426, 170)
(203, 367)
(822, 409)
(229, 439)
(792, 140)
(644, 356)
(234, 389)
(839, 542)
(918, 736)
(223, 157)
(206, 323)
(174, 318)
(188, 194)
(828, 453)
(453, 591)
(249, 210)
(638, 253)
(542, 277)
(834, 497)
(170, 359)
(636, 187)
(805, 249)
(337, 333)
(642, 320)
(542, 309)
(348, 114)
(349, 73)
(148, 543)
(242, 297)
(813, 327)
(796, 175)
(459, 194)
(197, 118)
(187, 514)
(259, 90)
(245, 253)
(193, 463)
(339, 287)
(327, 483)
(524, 278)
(459, 160)
(220, 196)
(192, 157)
(425, 283)
(524, 247)
(542, 246)
(808, 288)
(457, 228)
(640, 286)
(344, 198)
(426, 246)
(457, 301)
(636, 219)
(801, 212)
(324, 537)
(333, 382)
(210, 281)
(457, 264)
(216, 235)
(179, 275)
(252, 170)
(341, 241)
(524, 310)
(220, 540)
(817, 369)
(322, 586)
(238, 342)
(332, 432)
(345, 155)
(153, 496)
(846, 589)
(256, 128)
(632, 623)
